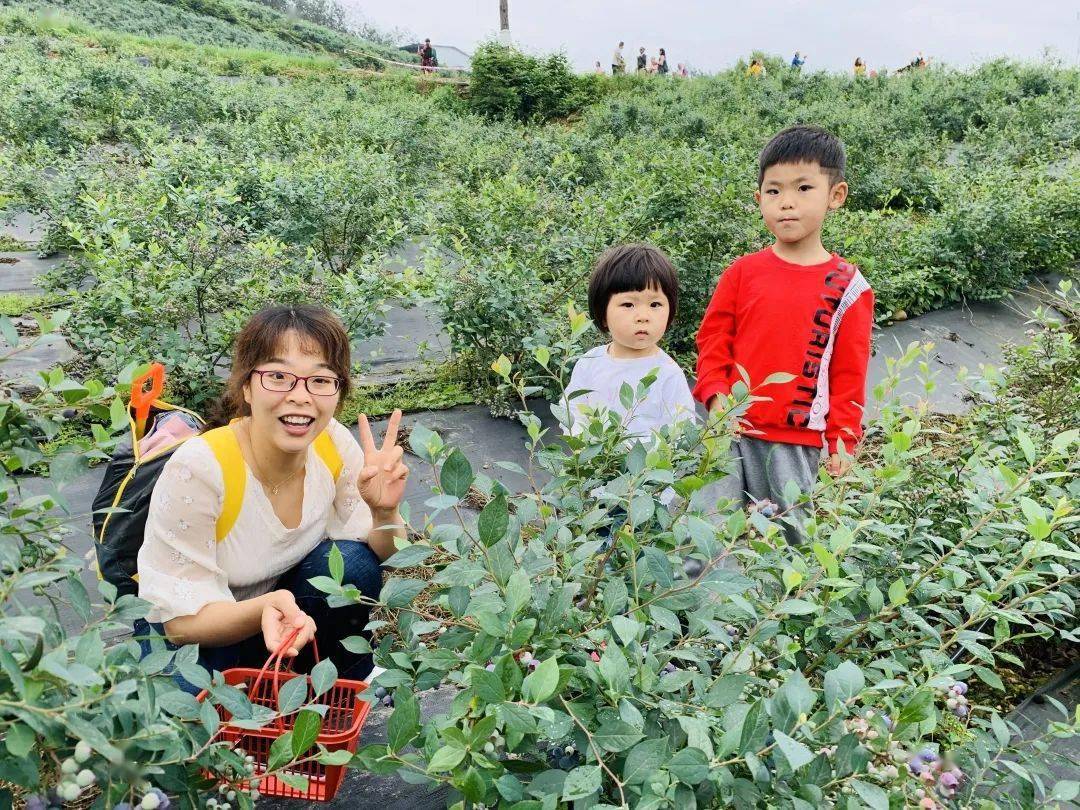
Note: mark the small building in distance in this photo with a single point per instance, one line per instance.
(449, 56)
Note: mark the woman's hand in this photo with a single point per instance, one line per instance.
(280, 616)
(381, 482)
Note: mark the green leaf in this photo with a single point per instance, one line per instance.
(990, 678)
(456, 475)
(281, 752)
(339, 757)
(778, 378)
(626, 628)
(917, 709)
(1065, 791)
(644, 759)
(898, 593)
(19, 739)
(616, 736)
(541, 683)
(337, 564)
(404, 723)
(1027, 446)
(614, 669)
(874, 796)
(295, 781)
(797, 607)
(292, 695)
(409, 556)
(487, 685)
(581, 782)
(1001, 731)
(446, 759)
(794, 751)
(305, 731)
(356, 644)
(844, 682)
(493, 521)
(398, 592)
(471, 786)
(323, 676)
(690, 766)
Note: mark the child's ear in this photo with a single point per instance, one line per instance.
(837, 195)
(757, 196)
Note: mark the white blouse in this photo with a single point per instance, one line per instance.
(181, 565)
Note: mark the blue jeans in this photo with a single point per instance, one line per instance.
(362, 569)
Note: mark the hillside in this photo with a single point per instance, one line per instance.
(221, 23)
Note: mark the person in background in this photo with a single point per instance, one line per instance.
(661, 63)
(860, 68)
(427, 56)
(642, 59)
(599, 69)
(680, 70)
(618, 63)
(797, 61)
(757, 68)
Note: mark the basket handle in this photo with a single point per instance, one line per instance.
(277, 658)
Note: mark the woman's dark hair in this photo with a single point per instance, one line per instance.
(631, 268)
(319, 331)
(805, 144)
(662, 53)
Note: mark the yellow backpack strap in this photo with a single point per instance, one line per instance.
(226, 449)
(324, 446)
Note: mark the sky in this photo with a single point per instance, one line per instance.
(711, 36)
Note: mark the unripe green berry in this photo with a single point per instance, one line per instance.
(69, 766)
(85, 778)
(83, 751)
(150, 802)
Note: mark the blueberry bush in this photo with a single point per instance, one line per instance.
(608, 651)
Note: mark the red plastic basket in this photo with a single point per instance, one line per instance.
(341, 726)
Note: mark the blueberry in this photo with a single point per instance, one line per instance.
(36, 802)
(387, 700)
(567, 763)
(556, 751)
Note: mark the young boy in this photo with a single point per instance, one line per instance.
(633, 297)
(793, 307)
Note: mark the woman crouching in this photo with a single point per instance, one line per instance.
(231, 573)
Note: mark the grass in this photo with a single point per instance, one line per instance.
(13, 303)
(9, 244)
(437, 394)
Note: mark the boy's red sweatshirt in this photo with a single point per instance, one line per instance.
(813, 321)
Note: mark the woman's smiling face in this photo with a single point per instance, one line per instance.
(291, 420)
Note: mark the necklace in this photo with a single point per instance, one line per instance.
(272, 489)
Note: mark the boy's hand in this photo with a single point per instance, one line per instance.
(838, 465)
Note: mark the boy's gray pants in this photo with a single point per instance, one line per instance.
(759, 470)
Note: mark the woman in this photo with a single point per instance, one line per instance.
(860, 68)
(661, 63)
(238, 592)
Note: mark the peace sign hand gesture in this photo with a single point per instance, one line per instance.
(381, 482)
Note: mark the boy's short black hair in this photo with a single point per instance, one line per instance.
(631, 268)
(805, 144)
